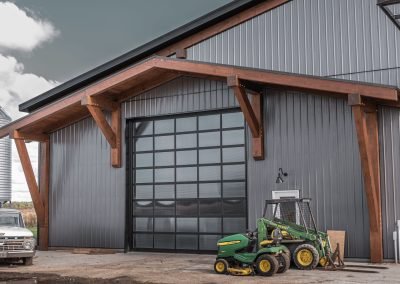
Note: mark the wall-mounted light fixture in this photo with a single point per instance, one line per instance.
(281, 174)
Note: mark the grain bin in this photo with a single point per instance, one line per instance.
(5, 161)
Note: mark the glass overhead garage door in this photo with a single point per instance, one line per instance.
(188, 180)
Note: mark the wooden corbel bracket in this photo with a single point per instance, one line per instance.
(112, 132)
(253, 114)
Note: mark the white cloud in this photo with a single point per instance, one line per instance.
(20, 31)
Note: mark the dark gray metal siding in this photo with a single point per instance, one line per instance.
(389, 138)
(313, 139)
(315, 37)
(87, 195)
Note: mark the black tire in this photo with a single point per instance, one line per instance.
(221, 266)
(284, 262)
(27, 260)
(267, 265)
(306, 257)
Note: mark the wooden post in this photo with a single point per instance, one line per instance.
(44, 180)
(366, 122)
(30, 179)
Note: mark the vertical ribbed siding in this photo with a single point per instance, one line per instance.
(5, 161)
(314, 37)
(184, 94)
(387, 77)
(87, 195)
(389, 138)
(313, 139)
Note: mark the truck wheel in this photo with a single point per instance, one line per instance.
(306, 257)
(28, 260)
(267, 265)
(221, 266)
(284, 262)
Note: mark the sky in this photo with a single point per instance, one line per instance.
(44, 43)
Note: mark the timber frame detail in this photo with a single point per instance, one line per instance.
(112, 132)
(253, 114)
(39, 191)
(366, 123)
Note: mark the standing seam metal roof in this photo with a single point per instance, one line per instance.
(137, 54)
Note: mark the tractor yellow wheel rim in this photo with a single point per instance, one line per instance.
(264, 265)
(220, 266)
(305, 257)
(323, 261)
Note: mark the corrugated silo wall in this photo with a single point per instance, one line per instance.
(5, 164)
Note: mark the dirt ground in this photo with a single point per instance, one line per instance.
(140, 267)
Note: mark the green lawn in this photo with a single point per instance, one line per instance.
(34, 231)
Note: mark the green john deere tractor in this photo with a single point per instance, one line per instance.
(289, 233)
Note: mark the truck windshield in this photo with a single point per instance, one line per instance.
(11, 220)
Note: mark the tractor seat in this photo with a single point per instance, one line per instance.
(265, 243)
(276, 237)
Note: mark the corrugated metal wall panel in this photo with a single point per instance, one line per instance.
(184, 94)
(87, 195)
(386, 77)
(389, 138)
(313, 139)
(315, 37)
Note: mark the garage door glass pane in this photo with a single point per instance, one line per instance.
(164, 159)
(231, 155)
(144, 160)
(210, 156)
(234, 225)
(164, 126)
(210, 225)
(143, 208)
(144, 224)
(234, 172)
(209, 173)
(144, 144)
(164, 142)
(209, 242)
(186, 207)
(234, 189)
(234, 207)
(164, 208)
(232, 137)
(186, 174)
(186, 225)
(144, 240)
(143, 192)
(209, 122)
(184, 141)
(186, 190)
(164, 191)
(234, 119)
(186, 242)
(143, 128)
(210, 207)
(209, 190)
(162, 241)
(186, 157)
(164, 224)
(144, 176)
(186, 124)
(164, 175)
(208, 139)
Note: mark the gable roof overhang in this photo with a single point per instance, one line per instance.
(157, 70)
(183, 37)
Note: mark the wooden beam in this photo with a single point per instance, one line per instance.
(39, 137)
(30, 179)
(102, 123)
(44, 183)
(258, 142)
(98, 101)
(116, 152)
(367, 136)
(252, 112)
(181, 53)
(247, 109)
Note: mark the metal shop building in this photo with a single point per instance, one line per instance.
(178, 142)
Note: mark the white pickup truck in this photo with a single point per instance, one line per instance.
(16, 242)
